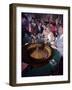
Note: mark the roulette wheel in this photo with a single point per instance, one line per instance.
(40, 52)
(36, 53)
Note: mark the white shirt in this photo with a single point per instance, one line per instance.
(59, 44)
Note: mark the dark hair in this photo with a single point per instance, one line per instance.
(60, 25)
(24, 16)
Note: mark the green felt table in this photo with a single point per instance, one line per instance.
(46, 69)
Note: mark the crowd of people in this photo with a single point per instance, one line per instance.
(43, 28)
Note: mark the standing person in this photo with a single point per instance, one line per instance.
(39, 27)
(59, 40)
(48, 35)
(59, 48)
(53, 28)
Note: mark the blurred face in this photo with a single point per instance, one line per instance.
(23, 20)
(39, 24)
(60, 30)
(47, 30)
(43, 27)
(51, 25)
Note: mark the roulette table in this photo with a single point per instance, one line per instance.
(37, 54)
(39, 64)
